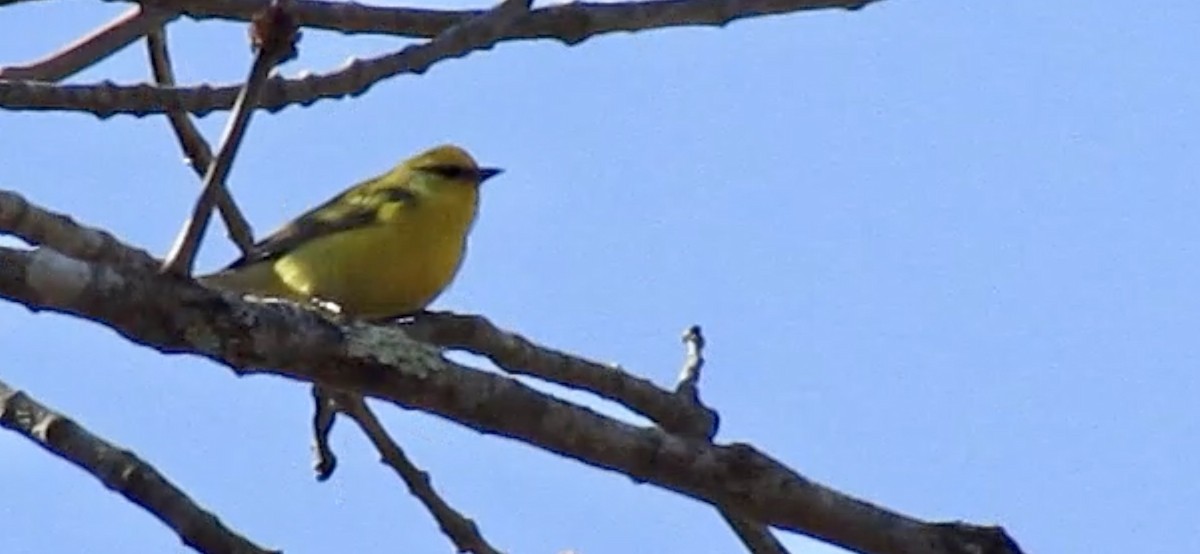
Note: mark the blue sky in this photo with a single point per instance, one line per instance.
(944, 253)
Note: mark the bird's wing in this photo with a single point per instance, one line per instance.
(355, 208)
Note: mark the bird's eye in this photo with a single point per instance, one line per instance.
(449, 171)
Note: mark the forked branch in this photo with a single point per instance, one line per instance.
(274, 36)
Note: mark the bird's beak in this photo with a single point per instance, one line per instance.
(486, 173)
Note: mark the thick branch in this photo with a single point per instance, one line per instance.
(179, 316)
(570, 23)
(121, 471)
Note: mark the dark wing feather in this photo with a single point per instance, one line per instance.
(355, 208)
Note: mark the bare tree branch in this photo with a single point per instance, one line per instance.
(194, 146)
(755, 535)
(462, 531)
(91, 48)
(324, 417)
(176, 315)
(121, 471)
(688, 384)
(34, 225)
(517, 355)
(568, 22)
(274, 35)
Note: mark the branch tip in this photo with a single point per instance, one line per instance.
(689, 377)
(274, 31)
(324, 416)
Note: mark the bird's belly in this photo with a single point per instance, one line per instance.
(372, 272)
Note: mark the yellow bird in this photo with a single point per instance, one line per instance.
(383, 248)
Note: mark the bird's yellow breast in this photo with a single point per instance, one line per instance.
(396, 266)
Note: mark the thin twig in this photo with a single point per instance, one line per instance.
(93, 47)
(121, 471)
(461, 530)
(754, 534)
(689, 378)
(568, 22)
(276, 35)
(687, 389)
(194, 146)
(520, 356)
(324, 417)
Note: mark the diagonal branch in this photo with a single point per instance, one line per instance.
(756, 536)
(176, 315)
(121, 471)
(194, 146)
(570, 23)
(461, 530)
(91, 48)
(274, 34)
(517, 355)
(36, 226)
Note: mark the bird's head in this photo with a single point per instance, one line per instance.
(449, 165)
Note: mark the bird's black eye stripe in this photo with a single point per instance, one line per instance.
(450, 171)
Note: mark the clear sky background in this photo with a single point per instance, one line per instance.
(945, 254)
